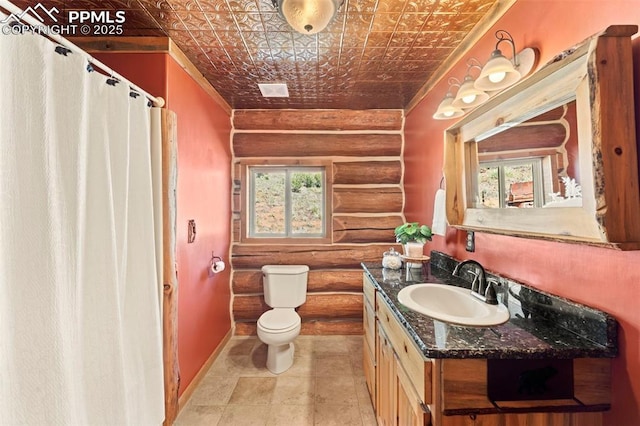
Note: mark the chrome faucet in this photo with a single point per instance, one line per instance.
(479, 286)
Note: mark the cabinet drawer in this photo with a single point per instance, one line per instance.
(418, 368)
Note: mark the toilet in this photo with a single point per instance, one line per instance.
(285, 288)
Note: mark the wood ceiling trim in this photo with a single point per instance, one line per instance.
(147, 45)
(122, 44)
(496, 12)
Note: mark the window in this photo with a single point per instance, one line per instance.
(514, 183)
(286, 202)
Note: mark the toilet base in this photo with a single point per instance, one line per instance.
(280, 357)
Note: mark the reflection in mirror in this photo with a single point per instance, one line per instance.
(532, 164)
(526, 180)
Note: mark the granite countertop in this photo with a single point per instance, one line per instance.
(541, 325)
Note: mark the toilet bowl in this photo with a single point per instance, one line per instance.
(277, 328)
(285, 288)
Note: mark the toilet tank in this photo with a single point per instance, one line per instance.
(285, 286)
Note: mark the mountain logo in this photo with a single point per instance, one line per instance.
(38, 11)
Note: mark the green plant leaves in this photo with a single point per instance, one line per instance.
(412, 231)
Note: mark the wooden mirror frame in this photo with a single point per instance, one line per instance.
(598, 73)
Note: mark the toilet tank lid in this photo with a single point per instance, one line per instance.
(285, 269)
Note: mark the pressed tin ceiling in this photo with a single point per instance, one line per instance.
(374, 54)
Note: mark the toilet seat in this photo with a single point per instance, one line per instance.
(279, 320)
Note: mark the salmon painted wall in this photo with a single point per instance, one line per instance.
(147, 70)
(602, 278)
(204, 194)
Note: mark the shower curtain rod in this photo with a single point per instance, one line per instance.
(15, 10)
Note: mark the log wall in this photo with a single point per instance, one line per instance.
(364, 151)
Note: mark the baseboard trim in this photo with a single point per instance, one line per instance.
(188, 392)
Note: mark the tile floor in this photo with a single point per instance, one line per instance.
(325, 386)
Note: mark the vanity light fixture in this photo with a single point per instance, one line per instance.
(500, 72)
(468, 95)
(308, 16)
(446, 110)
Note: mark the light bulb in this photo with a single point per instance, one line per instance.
(469, 99)
(497, 77)
(447, 113)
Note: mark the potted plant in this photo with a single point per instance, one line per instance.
(413, 236)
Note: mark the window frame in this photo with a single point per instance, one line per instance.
(246, 215)
(537, 169)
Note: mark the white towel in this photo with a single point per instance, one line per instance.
(439, 214)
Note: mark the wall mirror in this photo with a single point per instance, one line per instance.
(555, 155)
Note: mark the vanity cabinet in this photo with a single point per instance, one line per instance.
(408, 388)
(401, 383)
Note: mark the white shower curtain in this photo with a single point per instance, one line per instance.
(80, 329)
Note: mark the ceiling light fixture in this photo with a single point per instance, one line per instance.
(500, 72)
(468, 95)
(308, 16)
(446, 110)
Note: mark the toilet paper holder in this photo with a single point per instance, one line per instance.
(216, 264)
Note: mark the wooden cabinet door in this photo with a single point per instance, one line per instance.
(411, 410)
(369, 367)
(386, 395)
(369, 346)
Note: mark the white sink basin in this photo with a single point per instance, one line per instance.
(451, 304)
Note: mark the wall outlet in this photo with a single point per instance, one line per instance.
(471, 241)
